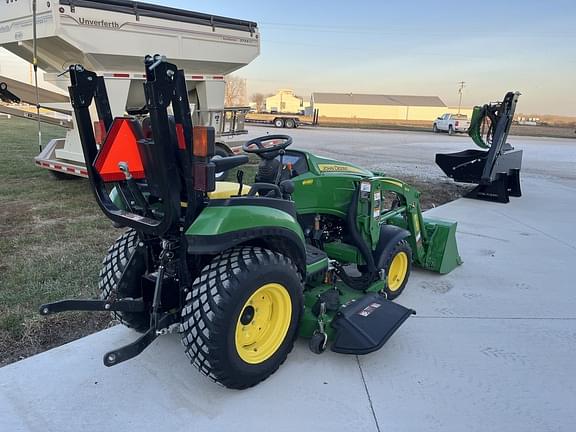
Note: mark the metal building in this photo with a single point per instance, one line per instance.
(381, 107)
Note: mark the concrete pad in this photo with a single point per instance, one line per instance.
(492, 348)
(475, 375)
(494, 342)
(68, 389)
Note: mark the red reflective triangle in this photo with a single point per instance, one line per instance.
(120, 146)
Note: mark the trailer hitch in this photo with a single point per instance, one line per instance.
(124, 305)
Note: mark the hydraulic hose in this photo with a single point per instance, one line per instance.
(361, 282)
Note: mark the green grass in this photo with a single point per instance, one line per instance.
(52, 239)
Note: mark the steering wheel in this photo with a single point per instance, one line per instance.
(260, 148)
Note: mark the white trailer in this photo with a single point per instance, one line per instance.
(111, 37)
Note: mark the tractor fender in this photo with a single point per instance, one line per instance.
(389, 236)
(228, 223)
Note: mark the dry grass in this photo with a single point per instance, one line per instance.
(52, 239)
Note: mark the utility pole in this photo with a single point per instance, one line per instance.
(460, 91)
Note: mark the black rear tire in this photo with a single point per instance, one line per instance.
(123, 257)
(220, 306)
(290, 123)
(450, 130)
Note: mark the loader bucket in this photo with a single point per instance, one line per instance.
(442, 251)
(439, 251)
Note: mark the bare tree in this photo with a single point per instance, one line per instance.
(260, 100)
(235, 94)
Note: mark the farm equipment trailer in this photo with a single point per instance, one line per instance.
(314, 247)
(111, 37)
(287, 121)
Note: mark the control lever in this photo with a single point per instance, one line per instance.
(134, 189)
(240, 180)
(281, 152)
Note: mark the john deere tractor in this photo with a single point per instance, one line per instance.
(313, 247)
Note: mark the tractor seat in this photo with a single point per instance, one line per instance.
(226, 190)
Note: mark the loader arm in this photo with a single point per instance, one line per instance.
(433, 242)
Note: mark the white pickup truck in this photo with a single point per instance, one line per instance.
(451, 123)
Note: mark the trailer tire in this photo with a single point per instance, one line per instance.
(122, 258)
(278, 122)
(221, 321)
(221, 151)
(290, 123)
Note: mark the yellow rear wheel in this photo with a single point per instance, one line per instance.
(241, 316)
(263, 323)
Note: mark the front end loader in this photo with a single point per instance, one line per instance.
(313, 247)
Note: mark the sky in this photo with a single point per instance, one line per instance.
(413, 47)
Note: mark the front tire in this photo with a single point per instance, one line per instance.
(434, 128)
(242, 315)
(279, 123)
(398, 264)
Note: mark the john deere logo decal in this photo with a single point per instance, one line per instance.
(339, 168)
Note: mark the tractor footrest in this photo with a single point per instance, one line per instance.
(364, 325)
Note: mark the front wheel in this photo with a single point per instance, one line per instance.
(434, 128)
(241, 317)
(398, 263)
(279, 123)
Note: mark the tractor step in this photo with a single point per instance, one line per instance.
(364, 325)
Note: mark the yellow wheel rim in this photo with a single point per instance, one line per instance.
(263, 323)
(397, 271)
